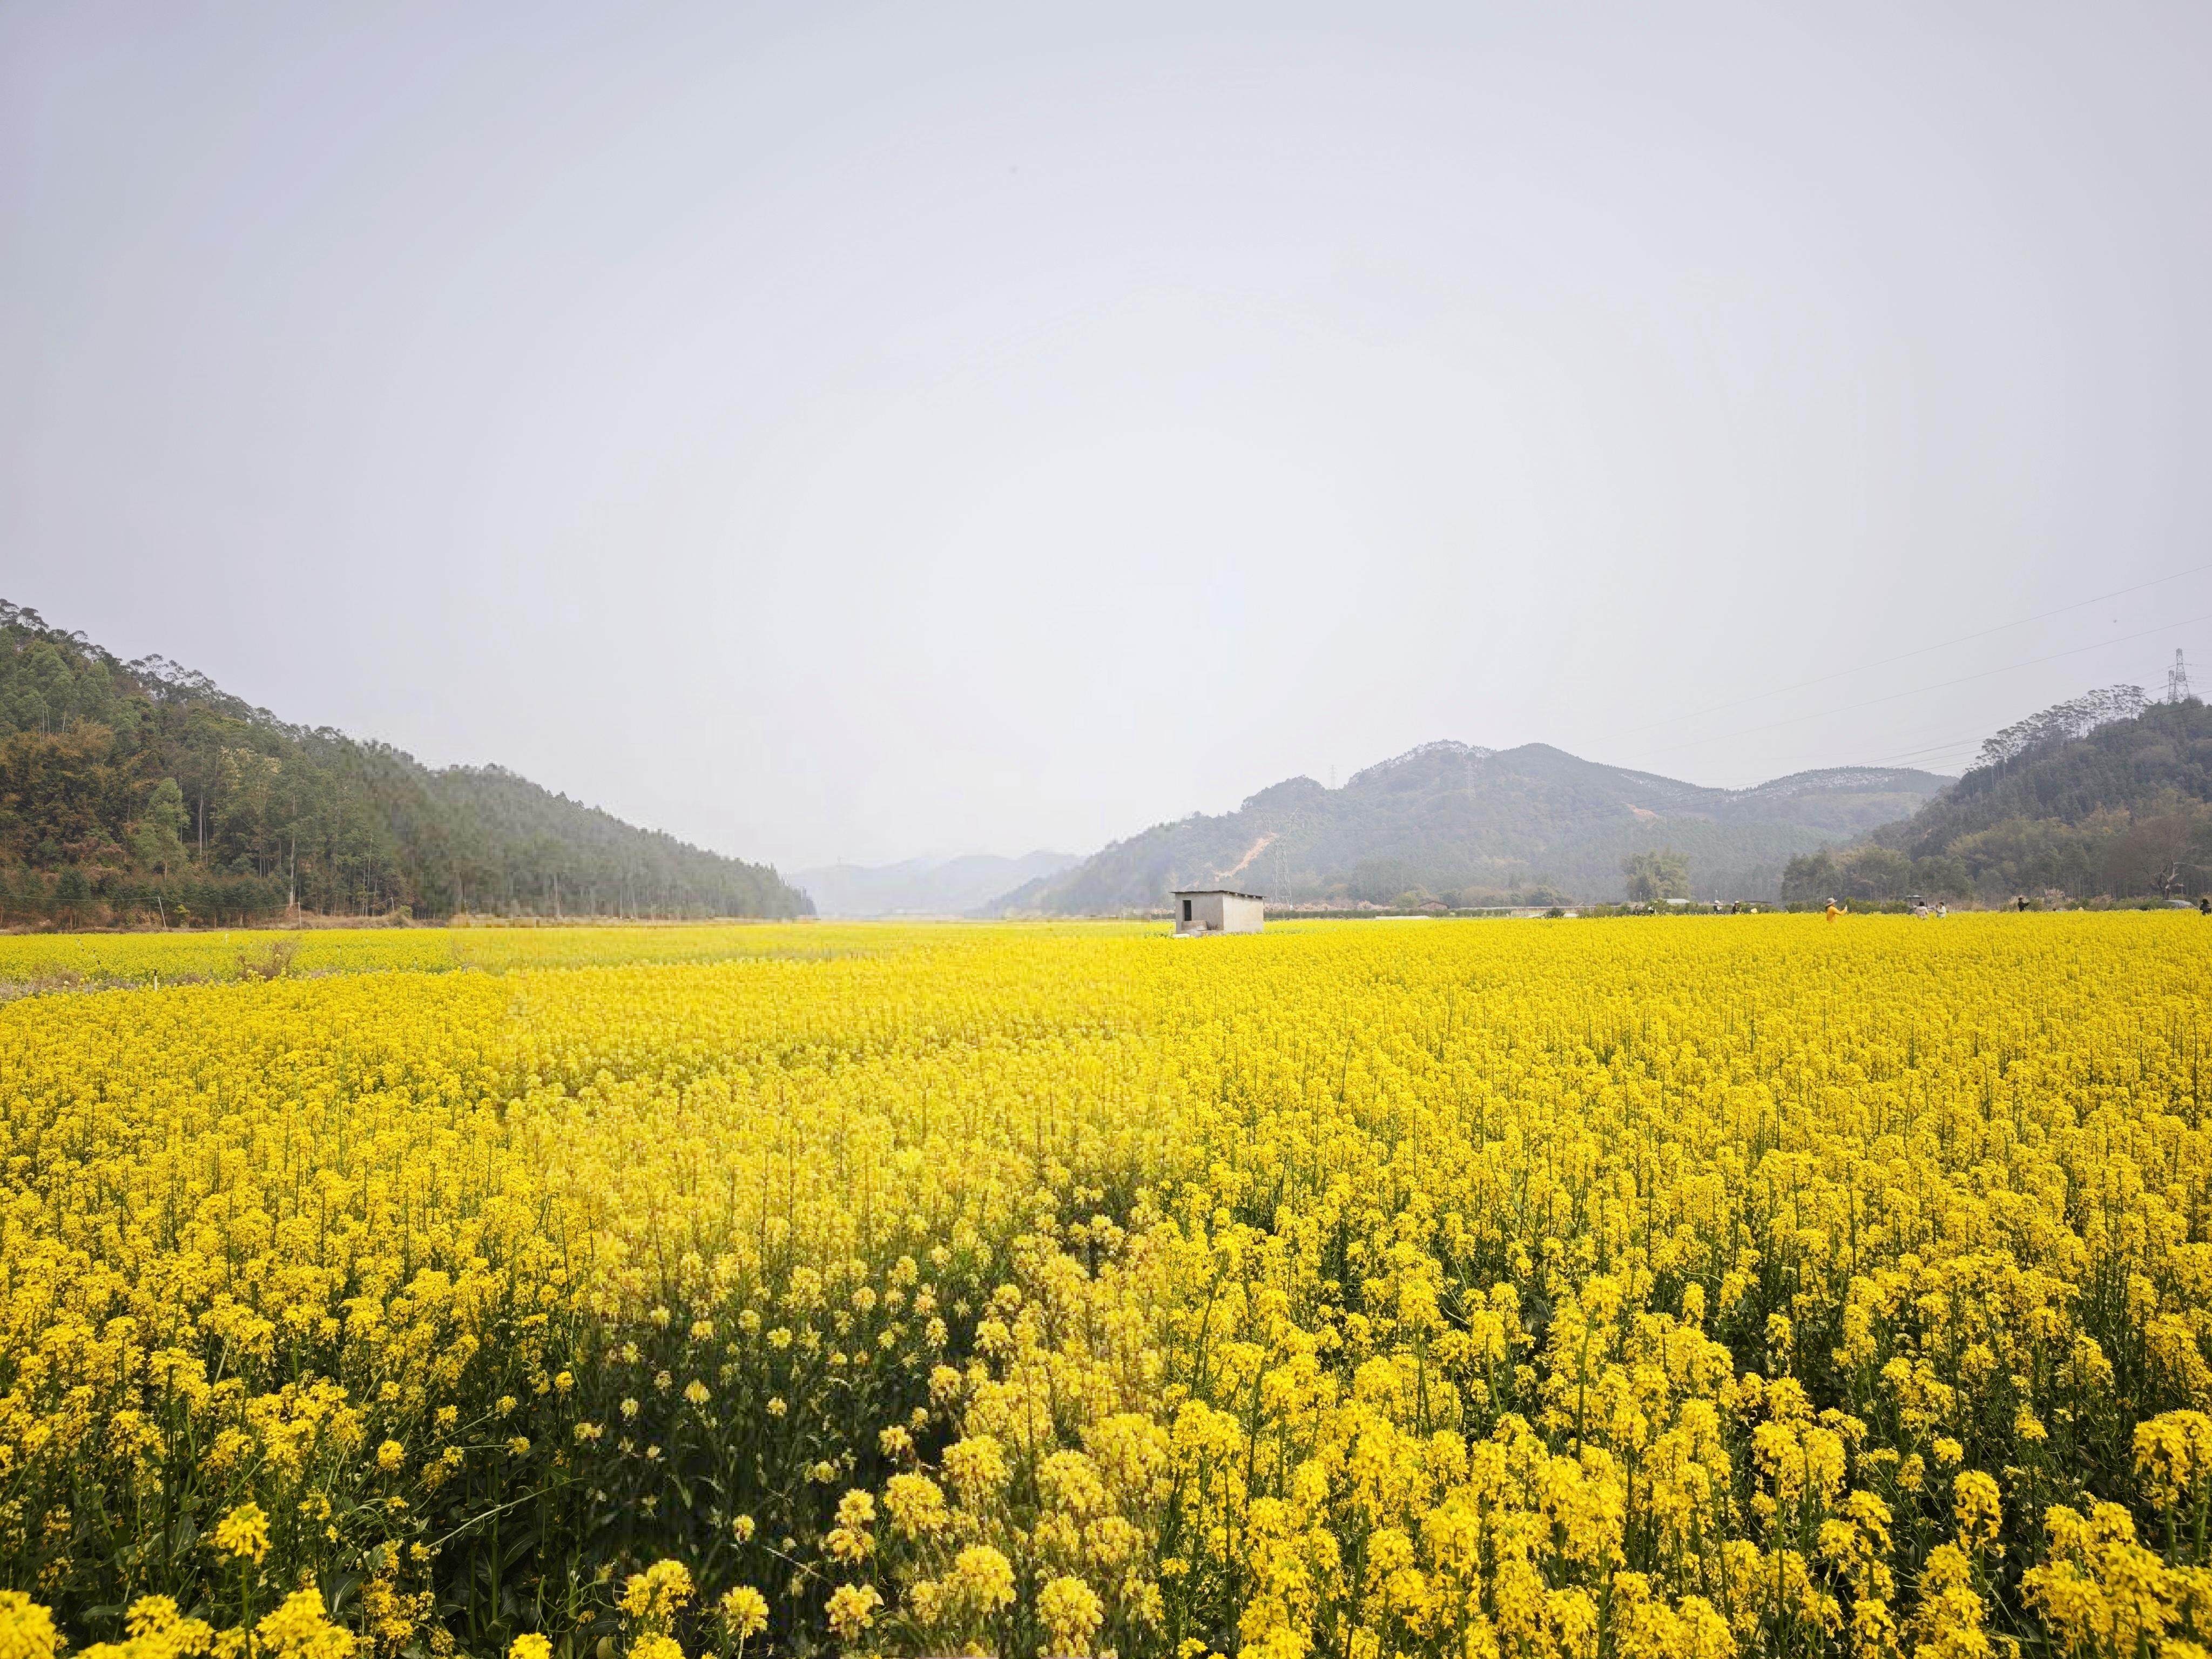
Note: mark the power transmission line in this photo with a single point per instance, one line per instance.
(1922, 757)
(1927, 751)
(1894, 697)
(1925, 759)
(1917, 651)
(1965, 744)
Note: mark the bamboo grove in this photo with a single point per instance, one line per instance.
(1682, 1290)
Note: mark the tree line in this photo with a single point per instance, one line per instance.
(141, 791)
(2102, 797)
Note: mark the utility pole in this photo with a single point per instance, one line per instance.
(2177, 679)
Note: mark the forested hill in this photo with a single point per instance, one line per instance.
(2159, 758)
(140, 789)
(2104, 795)
(1453, 824)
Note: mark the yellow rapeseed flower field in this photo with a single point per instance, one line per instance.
(1676, 1289)
(69, 961)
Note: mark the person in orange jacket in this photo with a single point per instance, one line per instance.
(1832, 910)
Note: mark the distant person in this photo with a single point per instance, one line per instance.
(2204, 906)
(2019, 902)
(1831, 909)
(1941, 909)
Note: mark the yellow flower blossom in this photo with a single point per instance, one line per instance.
(1072, 1612)
(243, 1534)
(853, 1609)
(26, 1630)
(744, 1612)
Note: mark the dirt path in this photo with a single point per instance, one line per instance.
(1250, 853)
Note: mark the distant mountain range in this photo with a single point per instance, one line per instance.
(141, 791)
(1448, 823)
(924, 887)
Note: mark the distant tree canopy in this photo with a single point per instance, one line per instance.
(1655, 877)
(139, 788)
(2102, 796)
(2062, 723)
(1870, 871)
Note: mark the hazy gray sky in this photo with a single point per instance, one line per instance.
(855, 432)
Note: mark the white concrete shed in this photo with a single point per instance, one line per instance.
(1218, 910)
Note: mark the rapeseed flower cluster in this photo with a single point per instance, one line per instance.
(1510, 1291)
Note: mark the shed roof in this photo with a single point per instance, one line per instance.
(1225, 892)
